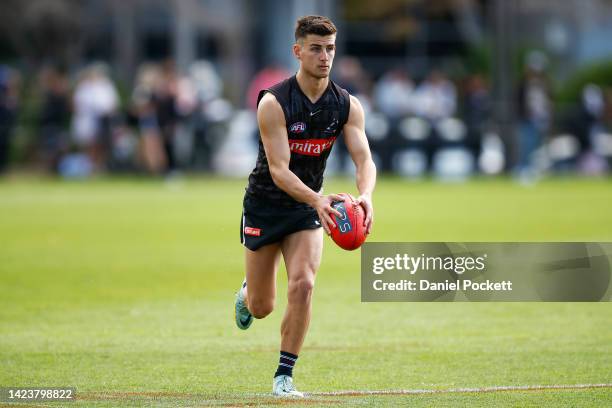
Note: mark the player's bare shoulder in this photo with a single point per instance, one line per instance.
(269, 111)
(356, 114)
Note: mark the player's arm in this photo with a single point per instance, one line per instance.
(274, 137)
(357, 144)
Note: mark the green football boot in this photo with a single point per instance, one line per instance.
(244, 318)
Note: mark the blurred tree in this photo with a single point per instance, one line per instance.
(43, 30)
(598, 73)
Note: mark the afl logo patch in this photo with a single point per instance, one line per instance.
(297, 127)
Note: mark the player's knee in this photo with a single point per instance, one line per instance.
(261, 308)
(301, 289)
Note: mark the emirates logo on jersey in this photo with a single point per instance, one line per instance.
(310, 147)
(297, 127)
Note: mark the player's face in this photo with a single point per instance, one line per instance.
(316, 54)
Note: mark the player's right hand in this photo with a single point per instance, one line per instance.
(323, 206)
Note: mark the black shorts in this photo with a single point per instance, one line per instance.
(263, 223)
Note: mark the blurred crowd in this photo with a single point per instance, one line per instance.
(86, 125)
(446, 127)
(171, 121)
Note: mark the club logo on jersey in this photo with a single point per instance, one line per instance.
(255, 232)
(297, 127)
(332, 126)
(310, 147)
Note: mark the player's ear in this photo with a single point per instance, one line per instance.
(297, 49)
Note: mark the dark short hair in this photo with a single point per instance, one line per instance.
(318, 25)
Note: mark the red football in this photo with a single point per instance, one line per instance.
(349, 233)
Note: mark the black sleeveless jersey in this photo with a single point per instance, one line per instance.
(312, 129)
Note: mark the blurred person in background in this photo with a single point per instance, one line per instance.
(606, 121)
(95, 100)
(591, 113)
(590, 128)
(350, 75)
(165, 102)
(186, 104)
(210, 108)
(54, 116)
(434, 100)
(476, 108)
(534, 111)
(264, 79)
(268, 76)
(144, 110)
(394, 94)
(9, 103)
(206, 81)
(603, 133)
(436, 97)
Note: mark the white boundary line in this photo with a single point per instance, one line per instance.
(459, 390)
(346, 393)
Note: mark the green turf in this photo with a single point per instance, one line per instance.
(124, 290)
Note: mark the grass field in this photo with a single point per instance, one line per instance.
(124, 289)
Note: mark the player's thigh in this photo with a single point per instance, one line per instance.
(302, 253)
(261, 269)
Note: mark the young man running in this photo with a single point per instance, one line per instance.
(299, 120)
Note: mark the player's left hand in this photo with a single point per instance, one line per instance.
(366, 202)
